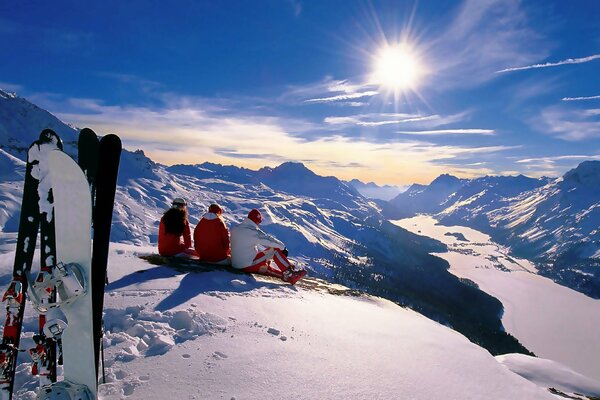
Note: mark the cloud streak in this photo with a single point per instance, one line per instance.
(581, 98)
(487, 132)
(342, 97)
(558, 158)
(552, 64)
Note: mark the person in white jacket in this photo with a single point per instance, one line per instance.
(254, 251)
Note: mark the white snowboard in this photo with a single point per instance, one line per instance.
(73, 213)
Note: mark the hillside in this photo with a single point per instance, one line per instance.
(215, 335)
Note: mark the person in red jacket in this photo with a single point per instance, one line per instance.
(211, 237)
(174, 236)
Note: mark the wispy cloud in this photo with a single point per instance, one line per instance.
(342, 97)
(553, 165)
(388, 119)
(483, 36)
(554, 159)
(451, 132)
(330, 91)
(580, 98)
(552, 64)
(380, 119)
(568, 124)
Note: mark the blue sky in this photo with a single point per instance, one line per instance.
(468, 88)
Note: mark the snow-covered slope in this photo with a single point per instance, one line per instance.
(553, 321)
(21, 123)
(215, 335)
(12, 172)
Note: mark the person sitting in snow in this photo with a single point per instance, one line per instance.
(174, 236)
(252, 250)
(211, 237)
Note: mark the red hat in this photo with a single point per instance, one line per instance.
(255, 216)
(215, 208)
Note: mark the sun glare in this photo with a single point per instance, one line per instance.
(396, 68)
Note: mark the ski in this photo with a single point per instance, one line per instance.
(87, 159)
(36, 199)
(106, 182)
(44, 354)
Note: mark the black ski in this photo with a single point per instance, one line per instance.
(88, 156)
(109, 155)
(29, 224)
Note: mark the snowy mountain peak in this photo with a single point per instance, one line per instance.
(290, 169)
(446, 180)
(587, 174)
(8, 95)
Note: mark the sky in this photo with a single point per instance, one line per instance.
(394, 92)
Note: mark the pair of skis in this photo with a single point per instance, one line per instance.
(57, 200)
(99, 160)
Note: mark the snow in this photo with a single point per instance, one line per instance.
(551, 320)
(217, 335)
(547, 373)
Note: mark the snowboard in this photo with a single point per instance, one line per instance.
(73, 211)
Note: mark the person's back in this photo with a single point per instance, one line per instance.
(254, 251)
(174, 230)
(211, 237)
(244, 241)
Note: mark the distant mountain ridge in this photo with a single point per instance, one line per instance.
(373, 191)
(426, 199)
(554, 222)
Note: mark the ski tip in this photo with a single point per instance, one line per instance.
(87, 132)
(112, 140)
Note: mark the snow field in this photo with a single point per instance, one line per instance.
(551, 320)
(242, 337)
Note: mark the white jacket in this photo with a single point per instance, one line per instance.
(245, 241)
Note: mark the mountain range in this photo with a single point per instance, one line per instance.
(553, 222)
(327, 225)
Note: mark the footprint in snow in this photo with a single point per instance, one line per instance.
(120, 375)
(129, 387)
(219, 356)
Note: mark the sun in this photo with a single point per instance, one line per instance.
(396, 68)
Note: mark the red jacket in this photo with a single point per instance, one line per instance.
(169, 244)
(211, 238)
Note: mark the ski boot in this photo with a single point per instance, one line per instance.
(291, 276)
